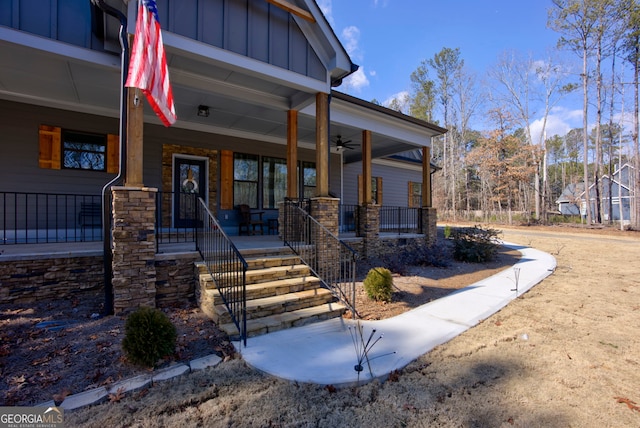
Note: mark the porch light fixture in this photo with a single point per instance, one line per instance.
(203, 111)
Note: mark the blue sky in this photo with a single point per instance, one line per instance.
(388, 39)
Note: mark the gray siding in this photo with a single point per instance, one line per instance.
(251, 28)
(395, 183)
(66, 20)
(19, 170)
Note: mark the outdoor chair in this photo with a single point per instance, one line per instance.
(250, 222)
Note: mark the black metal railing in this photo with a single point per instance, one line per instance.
(176, 217)
(400, 220)
(329, 258)
(35, 218)
(226, 266)
(348, 218)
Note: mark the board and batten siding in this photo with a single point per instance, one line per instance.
(255, 29)
(68, 21)
(252, 28)
(395, 182)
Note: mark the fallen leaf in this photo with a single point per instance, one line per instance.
(119, 395)
(630, 404)
(59, 398)
(394, 376)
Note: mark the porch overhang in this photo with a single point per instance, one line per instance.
(392, 132)
(247, 98)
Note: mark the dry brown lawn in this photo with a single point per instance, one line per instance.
(565, 354)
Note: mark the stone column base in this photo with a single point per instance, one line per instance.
(368, 226)
(326, 211)
(429, 225)
(133, 248)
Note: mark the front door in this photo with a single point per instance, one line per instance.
(189, 183)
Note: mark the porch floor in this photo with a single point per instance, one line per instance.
(79, 249)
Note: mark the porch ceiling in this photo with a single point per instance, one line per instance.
(243, 102)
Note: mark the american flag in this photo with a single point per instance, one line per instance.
(148, 67)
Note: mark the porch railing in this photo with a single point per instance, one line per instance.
(400, 219)
(329, 258)
(176, 217)
(36, 218)
(348, 218)
(226, 266)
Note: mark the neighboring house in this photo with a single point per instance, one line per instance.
(572, 200)
(257, 117)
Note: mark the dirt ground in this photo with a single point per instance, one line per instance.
(565, 354)
(56, 348)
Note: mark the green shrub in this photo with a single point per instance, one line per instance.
(475, 244)
(447, 231)
(379, 284)
(149, 336)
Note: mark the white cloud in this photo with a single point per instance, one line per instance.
(351, 40)
(327, 10)
(401, 99)
(560, 121)
(356, 81)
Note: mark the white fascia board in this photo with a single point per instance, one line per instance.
(54, 47)
(324, 41)
(207, 53)
(62, 105)
(397, 164)
(376, 122)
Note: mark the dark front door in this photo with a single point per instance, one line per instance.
(189, 184)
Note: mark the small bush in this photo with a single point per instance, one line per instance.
(379, 284)
(475, 244)
(447, 232)
(149, 336)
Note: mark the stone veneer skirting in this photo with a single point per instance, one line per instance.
(25, 280)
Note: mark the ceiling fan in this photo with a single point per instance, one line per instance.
(341, 145)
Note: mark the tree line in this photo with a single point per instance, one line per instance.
(509, 168)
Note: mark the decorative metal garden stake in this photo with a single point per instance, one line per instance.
(516, 273)
(363, 348)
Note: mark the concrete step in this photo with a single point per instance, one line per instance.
(269, 324)
(273, 305)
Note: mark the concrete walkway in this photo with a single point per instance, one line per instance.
(324, 353)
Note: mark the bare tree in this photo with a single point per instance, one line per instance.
(525, 81)
(576, 21)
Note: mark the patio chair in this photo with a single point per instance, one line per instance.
(249, 223)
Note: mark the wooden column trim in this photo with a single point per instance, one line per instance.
(293, 9)
(366, 167)
(135, 125)
(322, 144)
(426, 177)
(226, 179)
(292, 154)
